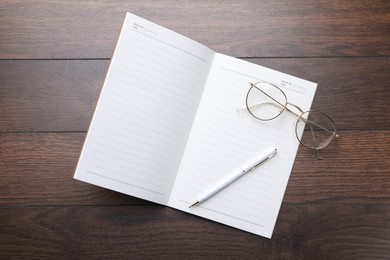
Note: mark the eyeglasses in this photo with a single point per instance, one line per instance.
(266, 101)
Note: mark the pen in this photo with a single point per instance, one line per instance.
(233, 177)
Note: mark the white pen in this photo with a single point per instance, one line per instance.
(233, 177)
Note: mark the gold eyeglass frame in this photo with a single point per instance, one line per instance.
(298, 117)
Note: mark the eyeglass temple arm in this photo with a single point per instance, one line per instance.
(317, 125)
(289, 110)
(292, 112)
(277, 102)
(280, 104)
(316, 152)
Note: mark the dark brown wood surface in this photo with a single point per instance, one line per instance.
(53, 60)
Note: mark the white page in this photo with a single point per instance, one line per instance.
(223, 140)
(145, 111)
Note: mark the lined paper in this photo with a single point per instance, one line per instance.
(167, 127)
(223, 140)
(145, 111)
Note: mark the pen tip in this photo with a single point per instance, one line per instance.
(194, 203)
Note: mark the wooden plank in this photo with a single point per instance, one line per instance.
(157, 232)
(49, 95)
(337, 208)
(355, 169)
(57, 95)
(248, 28)
(37, 169)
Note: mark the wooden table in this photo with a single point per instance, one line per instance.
(53, 59)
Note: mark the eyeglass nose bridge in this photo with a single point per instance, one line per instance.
(300, 111)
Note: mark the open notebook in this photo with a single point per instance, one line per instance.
(166, 128)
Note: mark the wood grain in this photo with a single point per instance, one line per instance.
(59, 95)
(48, 29)
(49, 95)
(53, 59)
(37, 169)
(157, 232)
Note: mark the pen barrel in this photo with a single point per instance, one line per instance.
(220, 186)
(235, 176)
(255, 163)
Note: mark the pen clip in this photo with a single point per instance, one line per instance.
(263, 161)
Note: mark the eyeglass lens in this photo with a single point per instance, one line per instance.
(319, 130)
(265, 101)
